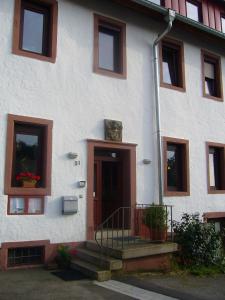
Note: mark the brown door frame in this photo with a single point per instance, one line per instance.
(92, 144)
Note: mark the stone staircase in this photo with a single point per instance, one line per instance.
(92, 263)
(99, 263)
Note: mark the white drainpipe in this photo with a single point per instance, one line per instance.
(169, 18)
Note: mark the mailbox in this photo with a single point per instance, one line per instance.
(69, 205)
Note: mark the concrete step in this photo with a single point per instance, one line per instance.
(90, 270)
(93, 246)
(96, 258)
(135, 250)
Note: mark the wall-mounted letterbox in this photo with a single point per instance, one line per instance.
(69, 205)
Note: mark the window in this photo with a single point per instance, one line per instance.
(216, 167)
(194, 10)
(25, 205)
(159, 2)
(28, 157)
(36, 34)
(176, 167)
(109, 47)
(212, 83)
(223, 24)
(25, 256)
(172, 65)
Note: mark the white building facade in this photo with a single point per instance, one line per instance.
(55, 100)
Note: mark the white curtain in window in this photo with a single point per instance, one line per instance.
(209, 70)
(34, 205)
(211, 170)
(17, 205)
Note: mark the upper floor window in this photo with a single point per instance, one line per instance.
(176, 165)
(36, 34)
(28, 156)
(172, 64)
(223, 23)
(216, 167)
(211, 77)
(159, 2)
(109, 47)
(194, 10)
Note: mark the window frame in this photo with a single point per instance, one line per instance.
(185, 159)
(199, 5)
(50, 55)
(221, 147)
(26, 205)
(16, 191)
(214, 59)
(177, 45)
(98, 19)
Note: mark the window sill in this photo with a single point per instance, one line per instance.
(173, 87)
(28, 191)
(24, 53)
(176, 194)
(219, 99)
(110, 73)
(216, 191)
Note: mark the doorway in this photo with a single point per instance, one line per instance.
(108, 183)
(111, 180)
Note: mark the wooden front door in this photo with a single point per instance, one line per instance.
(108, 196)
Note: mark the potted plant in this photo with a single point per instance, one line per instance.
(27, 179)
(63, 258)
(155, 218)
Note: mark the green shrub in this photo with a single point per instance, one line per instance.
(63, 257)
(200, 244)
(155, 217)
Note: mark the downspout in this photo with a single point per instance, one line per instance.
(169, 18)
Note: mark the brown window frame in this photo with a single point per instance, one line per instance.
(122, 55)
(222, 170)
(26, 205)
(16, 191)
(185, 160)
(215, 59)
(199, 5)
(177, 45)
(51, 45)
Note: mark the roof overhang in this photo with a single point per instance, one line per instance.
(146, 6)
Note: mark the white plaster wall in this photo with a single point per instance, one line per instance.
(78, 101)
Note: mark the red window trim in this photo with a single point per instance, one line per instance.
(122, 59)
(185, 159)
(52, 39)
(46, 190)
(26, 206)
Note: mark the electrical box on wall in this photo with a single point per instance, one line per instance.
(69, 205)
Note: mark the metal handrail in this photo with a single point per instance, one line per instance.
(128, 220)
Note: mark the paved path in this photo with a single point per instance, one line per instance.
(132, 291)
(183, 287)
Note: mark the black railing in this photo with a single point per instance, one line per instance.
(135, 225)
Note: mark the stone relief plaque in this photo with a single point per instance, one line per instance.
(113, 130)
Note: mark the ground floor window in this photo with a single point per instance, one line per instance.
(176, 167)
(25, 205)
(25, 256)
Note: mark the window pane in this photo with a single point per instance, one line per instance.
(174, 167)
(109, 49)
(16, 205)
(170, 66)
(27, 165)
(33, 30)
(156, 2)
(211, 170)
(35, 206)
(192, 11)
(223, 24)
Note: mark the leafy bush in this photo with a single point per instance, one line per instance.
(63, 257)
(200, 244)
(155, 217)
